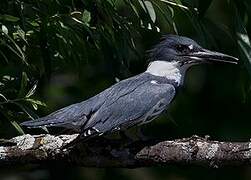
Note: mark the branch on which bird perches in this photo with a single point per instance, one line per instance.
(45, 148)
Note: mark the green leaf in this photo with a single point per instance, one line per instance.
(5, 29)
(20, 34)
(132, 7)
(17, 50)
(17, 127)
(245, 49)
(37, 102)
(4, 57)
(23, 85)
(34, 106)
(10, 18)
(1, 95)
(177, 3)
(86, 17)
(45, 129)
(166, 14)
(34, 23)
(148, 8)
(31, 91)
(9, 117)
(243, 41)
(27, 110)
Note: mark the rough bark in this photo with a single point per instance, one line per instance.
(45, 148)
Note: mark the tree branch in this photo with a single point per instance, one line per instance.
(45, 148)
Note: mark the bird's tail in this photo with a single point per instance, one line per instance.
(42, 122)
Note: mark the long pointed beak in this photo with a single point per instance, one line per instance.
(210, 56)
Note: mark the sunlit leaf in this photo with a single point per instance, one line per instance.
(86, 17)
(177, 4)
(37, 102)
(76, 20)
(5, 29)
(31, 91)
(148, 8)
(34, 106)
(1, 95)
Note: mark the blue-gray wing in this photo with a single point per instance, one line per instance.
(77, 115)
(129, 102)
(139, 105)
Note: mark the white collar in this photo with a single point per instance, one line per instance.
(170, 70)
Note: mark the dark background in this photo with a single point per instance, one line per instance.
(56, 53)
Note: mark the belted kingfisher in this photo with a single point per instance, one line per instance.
(136, 100)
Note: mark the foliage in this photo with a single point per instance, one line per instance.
(40, 37)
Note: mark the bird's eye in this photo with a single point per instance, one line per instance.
(183, 48)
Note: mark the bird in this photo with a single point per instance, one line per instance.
(139, 99)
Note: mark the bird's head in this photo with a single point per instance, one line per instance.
(186, 52)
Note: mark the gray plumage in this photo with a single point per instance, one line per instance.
(121, 106)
